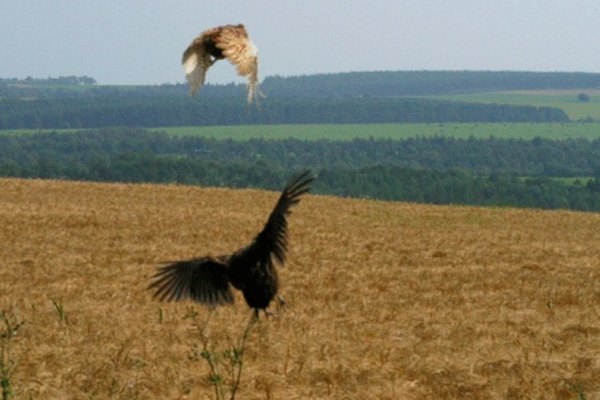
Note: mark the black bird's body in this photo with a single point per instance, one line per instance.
(251, 269)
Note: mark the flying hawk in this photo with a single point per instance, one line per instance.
(251, 269)
(230, 42)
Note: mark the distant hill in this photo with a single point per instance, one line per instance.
(353, 84)
(352, 97)
(415, 83)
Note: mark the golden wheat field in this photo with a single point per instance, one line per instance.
(384, 300)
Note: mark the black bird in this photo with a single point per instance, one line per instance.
(251, 269)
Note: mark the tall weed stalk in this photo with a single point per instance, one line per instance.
(230, 360)
(10, 327)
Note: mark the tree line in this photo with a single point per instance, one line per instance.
(374, 83)
(425, 83)
(134, 155)
(149, 111)
(538, 157)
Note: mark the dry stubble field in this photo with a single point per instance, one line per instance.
(385, 300)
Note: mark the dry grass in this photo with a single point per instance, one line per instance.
(386, 300)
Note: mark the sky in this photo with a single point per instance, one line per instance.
(141, 41)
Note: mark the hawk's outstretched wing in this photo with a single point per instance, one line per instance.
(241, 52)
(196, 61)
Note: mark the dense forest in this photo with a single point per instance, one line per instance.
(434, 170)
(420, 83)
(538, 157)
(353, 97)
(148, 111)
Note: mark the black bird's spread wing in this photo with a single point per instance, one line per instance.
(271, 243)
(203, 280)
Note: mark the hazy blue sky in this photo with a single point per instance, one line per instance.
(141, 41)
